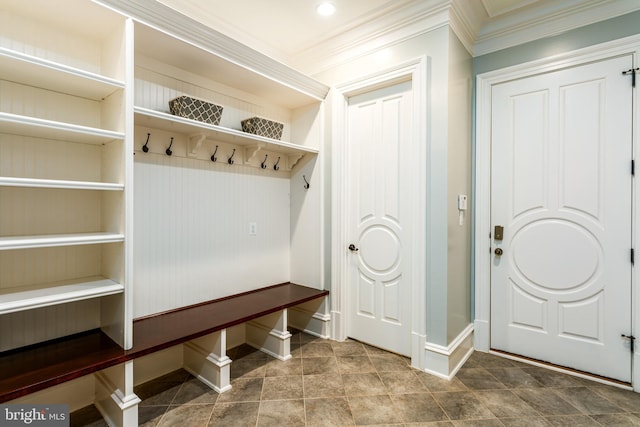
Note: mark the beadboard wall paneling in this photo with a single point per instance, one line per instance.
(27, 267)
(33, 326)
(306, 235)
(44, 104)
(191, 234)
(31, 211)
(26, 157)
(36, 38)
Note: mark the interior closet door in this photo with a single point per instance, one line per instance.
(379, 132)
(561, 189)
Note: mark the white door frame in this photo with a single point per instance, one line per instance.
(482, 255)
(416, 71)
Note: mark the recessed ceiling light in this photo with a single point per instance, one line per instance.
(326, 8)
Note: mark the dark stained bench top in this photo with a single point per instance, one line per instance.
(33, 368)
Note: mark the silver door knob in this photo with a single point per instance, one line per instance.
(353, 248)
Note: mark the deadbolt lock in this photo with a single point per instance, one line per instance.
(498, 232)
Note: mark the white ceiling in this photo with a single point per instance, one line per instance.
(290, 31)
(284, 29)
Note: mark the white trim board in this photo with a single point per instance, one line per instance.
(482, 257)
(445, 362)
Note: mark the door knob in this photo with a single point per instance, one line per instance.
(498, 251)
(353, 248)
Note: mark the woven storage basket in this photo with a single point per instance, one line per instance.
(263, 127)
(196, 109)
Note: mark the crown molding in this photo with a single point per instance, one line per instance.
(165, 19)
(544, 19)
(410, 20)
(467, 18)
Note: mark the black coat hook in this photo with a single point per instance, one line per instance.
(276, 167)
(213, 156)
(144, 147)
(168, 151)
(263, 165)
(230, 161)
(306, 183)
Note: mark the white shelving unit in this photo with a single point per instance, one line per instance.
(81, 81)
(64, 178)
(80, 90)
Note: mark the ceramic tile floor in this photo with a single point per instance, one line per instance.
(329, 383)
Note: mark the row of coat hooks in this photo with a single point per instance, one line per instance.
(214, 158)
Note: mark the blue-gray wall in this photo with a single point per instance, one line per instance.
(612, 29)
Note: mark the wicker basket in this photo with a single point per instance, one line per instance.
(196, 109)
(263, 127)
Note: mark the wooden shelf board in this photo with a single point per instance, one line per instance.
(25, 69)
(48, 129)
(20, 299)
(52, 240)
(171, 123)
(8, 181)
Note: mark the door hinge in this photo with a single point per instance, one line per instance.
(633, 256)
(631, 339)
(633, 168)
(633, 72)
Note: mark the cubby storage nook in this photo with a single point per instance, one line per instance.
(213, 192)
(64, 177)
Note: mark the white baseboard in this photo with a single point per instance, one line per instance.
(310, 322)
(444, 362)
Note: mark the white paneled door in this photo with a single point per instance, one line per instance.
(561, 189)
(379, 128)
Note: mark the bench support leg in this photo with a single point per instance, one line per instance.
(270, 335)
(115, 398)
(206, 359)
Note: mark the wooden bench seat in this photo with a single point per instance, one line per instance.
(30, 369)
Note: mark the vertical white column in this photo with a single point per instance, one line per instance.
(270, 335)
(206, 359)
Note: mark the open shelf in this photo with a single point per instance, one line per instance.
(171, 123)
(6, 181)
(214, 56)
(50, 240)
(37, 296)
(25, 69)
(48, 129)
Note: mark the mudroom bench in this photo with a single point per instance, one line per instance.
(201, 328)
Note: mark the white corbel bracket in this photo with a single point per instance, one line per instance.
(251, 154)
(294, 159)
(195, 142)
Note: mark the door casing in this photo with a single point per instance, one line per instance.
(482, 208)
(416, 70)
